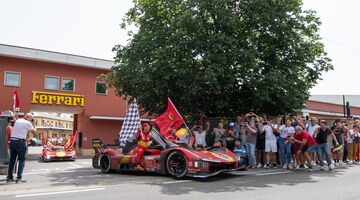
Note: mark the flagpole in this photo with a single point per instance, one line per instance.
(180, 115)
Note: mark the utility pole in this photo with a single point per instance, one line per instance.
(344, 106)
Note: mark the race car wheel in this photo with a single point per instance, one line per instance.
(176, 164)
(105, 163)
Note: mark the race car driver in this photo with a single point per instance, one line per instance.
(144, 141)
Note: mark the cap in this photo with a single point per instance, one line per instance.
(231, 124)
(199, 126)
(323, 122)
(145, 125)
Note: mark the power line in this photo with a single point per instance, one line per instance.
(342, 45)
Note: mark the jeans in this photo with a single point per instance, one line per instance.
(17, 149)
(250, 149)
(285, 151)
(320, 148)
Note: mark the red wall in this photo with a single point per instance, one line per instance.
(33, 79)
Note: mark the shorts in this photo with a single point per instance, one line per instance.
(260, 145)
(270, 146)
(308, 149)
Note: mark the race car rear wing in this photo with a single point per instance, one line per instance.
(98, 145)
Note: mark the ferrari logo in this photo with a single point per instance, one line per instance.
(170, 116)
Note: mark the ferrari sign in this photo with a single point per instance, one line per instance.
(57, 98)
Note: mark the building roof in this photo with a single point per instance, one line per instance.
(56, 57)
(50, 116)
(354, 100)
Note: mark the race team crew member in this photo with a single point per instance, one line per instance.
(308, 144)
(144, 140)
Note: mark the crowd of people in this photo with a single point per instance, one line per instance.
(289, 141)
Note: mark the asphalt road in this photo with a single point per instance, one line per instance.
(64, 180)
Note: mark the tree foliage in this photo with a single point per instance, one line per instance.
(220, 57)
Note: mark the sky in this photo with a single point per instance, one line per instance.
(91, 28)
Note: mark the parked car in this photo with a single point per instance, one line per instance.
(34, 142)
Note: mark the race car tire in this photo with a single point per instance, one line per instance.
(176, 164)
(105, 163)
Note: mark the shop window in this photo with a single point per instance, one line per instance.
(68, 84)
(12, 79)
(51, 83)
(101, 88)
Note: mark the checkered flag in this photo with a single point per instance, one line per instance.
(130, 125)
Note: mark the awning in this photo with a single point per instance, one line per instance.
(117, 118)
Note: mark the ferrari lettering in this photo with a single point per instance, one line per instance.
(57, 98)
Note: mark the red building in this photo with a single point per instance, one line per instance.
(62, 83)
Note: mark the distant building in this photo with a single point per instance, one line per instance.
(52, 126)
(332, 106)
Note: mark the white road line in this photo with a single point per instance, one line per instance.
(59, 192)
(271, 173)
(75, 165)
(171, 182)
(48, 172)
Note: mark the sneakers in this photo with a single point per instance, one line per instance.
(266, 166)
(342, 164)
(310, 168)
(331, 167)
(274, 165)
(313, 163)
(297, 167)
(337, 164)
(21, 180)
(9, 180)
(285, 166)
(322, 168)
(259, 165)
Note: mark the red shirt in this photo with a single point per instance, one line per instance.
(305, 135)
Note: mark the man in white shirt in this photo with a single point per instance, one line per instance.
(18, 145)
(270, 141)
(200, 135)
(311, 128)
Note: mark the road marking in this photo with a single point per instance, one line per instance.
(75, 165)
(66, 171)
(59, 192)
(271, 173)
(171, 182)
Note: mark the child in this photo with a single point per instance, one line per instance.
(240, 151)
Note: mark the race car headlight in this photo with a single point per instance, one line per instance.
(211, 160)
(48, 156)
(200, 164)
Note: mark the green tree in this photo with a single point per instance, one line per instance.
(220, 57)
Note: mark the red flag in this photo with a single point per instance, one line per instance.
(169, 119)
(16, 100)
(43, 138)
(72, 141)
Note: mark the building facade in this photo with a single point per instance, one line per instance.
(52, 126)
(55, 82)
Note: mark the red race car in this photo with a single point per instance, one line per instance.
(64, 152)
(176, 158)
